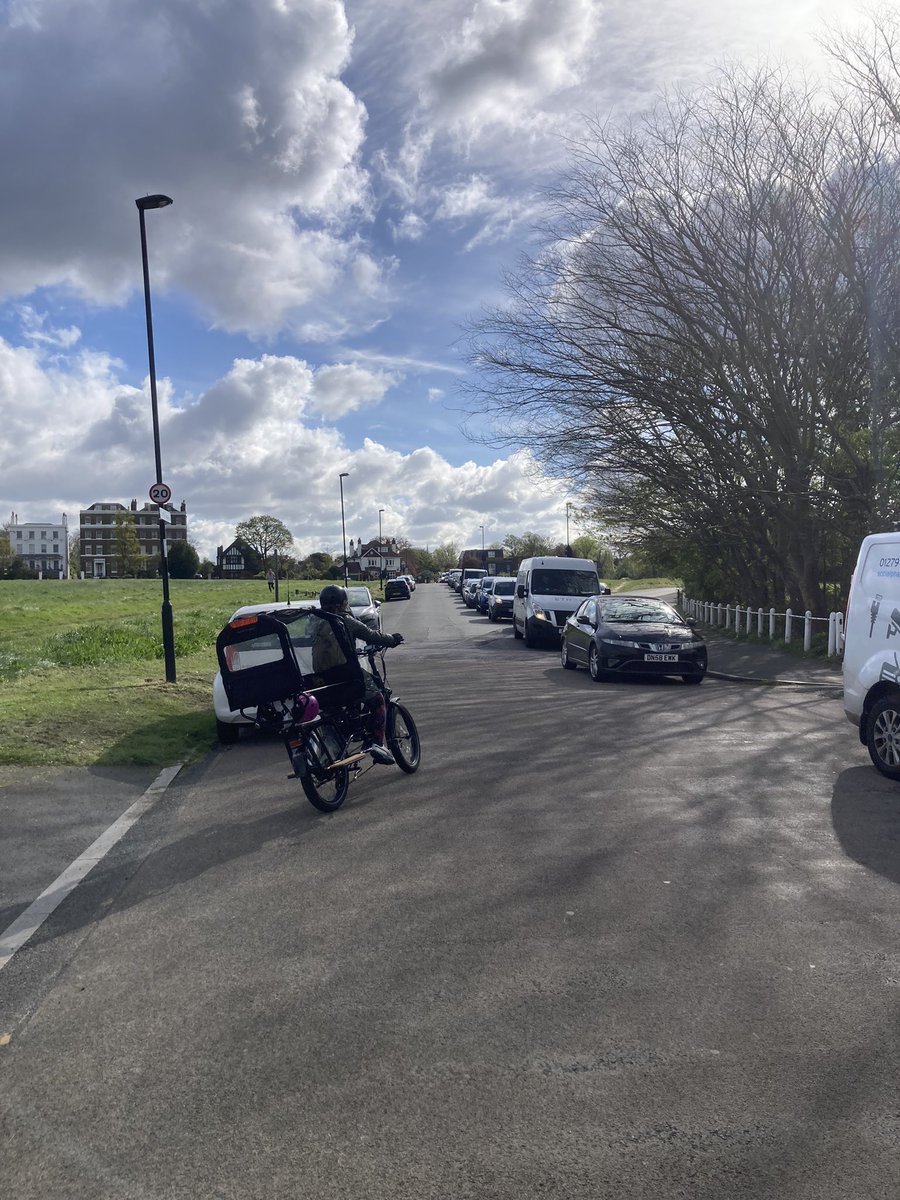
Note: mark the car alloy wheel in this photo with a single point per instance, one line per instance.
(564, 656)
(594, 665)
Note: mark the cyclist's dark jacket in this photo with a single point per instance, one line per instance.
(358, 682)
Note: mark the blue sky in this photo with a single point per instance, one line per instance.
(350, 179)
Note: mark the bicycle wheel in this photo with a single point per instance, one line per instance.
(325, 787)
(403, 738)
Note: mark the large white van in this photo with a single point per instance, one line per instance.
(548, 591)
(872, 651)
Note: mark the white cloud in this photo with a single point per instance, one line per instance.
(236, 110)
(341, 388)
(252, 442)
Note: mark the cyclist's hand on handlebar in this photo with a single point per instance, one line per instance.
(397, 639)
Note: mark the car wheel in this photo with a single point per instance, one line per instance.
(883, 735)
(597, 672)
(564, 656)
(227, 734)
(491, 617)
(694, 678)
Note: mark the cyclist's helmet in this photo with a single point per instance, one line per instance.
(334, 598)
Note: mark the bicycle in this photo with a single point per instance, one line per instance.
(321, 750)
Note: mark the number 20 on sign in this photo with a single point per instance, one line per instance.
(160, 493)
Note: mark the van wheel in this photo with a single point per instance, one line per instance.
(883, 735)
(530, 640)
(516, 629)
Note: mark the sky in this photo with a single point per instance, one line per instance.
(350, 179)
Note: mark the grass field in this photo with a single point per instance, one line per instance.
(82, 680)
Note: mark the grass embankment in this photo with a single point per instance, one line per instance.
(641, 585)
(82, 680)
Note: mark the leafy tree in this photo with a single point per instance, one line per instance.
(126, 547)
(317, 564)
(264, 535)
(528, 545)
(445, 556)
(74, 550)
(182, 558)
(207, 568)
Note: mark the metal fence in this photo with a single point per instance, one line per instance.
(745, 620)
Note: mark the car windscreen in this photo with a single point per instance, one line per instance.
(505, 589)
(638, 609)
(546, 582)
(358, 596)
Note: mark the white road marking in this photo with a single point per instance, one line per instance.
(15, 936)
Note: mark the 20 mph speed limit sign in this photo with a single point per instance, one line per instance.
(160, 493)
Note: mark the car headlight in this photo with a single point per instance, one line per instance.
(622, 643)
(540, 614)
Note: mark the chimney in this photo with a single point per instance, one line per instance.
(183, 507)
(134, 505)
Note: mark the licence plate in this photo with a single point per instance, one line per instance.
(660, 658)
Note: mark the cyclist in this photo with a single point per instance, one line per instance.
(335, 661)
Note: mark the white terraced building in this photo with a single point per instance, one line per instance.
(44, 546)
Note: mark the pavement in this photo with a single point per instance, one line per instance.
(755, 662)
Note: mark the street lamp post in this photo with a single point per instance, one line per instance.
(568, 546)
(343, 475)
(483, 567)
(168, 631)
(380, 552)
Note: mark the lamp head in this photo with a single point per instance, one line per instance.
(343, 474)
(159, 201)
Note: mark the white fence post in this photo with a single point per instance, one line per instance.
(727, 616)
(788, 622)
(807, 631)
(832, 631)
(719, 613)
(840, 633)
(759, 622)
(771, 624)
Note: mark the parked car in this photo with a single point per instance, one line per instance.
(468, 591)
(483, 592)
(410, 580)
(229, 722)
(397, 589)
(471, 573)
(364, 606)
(500, 600)
(453, 578)
(632, 635)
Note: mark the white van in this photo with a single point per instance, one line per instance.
(548, 591)
(872, 651)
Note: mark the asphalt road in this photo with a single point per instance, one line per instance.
(630, 940)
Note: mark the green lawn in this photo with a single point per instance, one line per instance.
(82, 679)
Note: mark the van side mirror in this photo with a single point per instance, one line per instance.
(520, 591)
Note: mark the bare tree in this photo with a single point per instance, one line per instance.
(693, 344)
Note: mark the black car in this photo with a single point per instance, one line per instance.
(632, 635)
(397, 589)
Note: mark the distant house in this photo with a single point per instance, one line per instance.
(237, 561)
(494, 560)
(376, 560)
